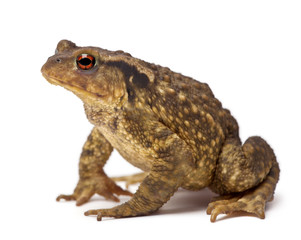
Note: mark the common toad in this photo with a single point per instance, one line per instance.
(169, 125)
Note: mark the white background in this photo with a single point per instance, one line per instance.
(249, 52)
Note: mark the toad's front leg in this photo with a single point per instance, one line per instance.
(93, 179)
(172, 162)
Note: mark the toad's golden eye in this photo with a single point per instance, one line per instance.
(85, 61)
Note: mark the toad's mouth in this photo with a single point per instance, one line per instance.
(75, 89)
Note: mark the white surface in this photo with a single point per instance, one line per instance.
(249, 53)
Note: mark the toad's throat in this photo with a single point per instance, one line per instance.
(75, 89)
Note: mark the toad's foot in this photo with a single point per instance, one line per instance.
(123, 210)
(101, 185)
(249, 202)
(100, 213)
(132, 179)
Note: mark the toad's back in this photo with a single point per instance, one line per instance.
(185, 105)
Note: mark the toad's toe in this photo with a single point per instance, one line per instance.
(254, 206)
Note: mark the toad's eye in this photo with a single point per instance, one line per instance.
(85, 61)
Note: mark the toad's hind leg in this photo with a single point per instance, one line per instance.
(246, 177)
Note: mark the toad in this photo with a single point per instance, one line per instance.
(170, 126)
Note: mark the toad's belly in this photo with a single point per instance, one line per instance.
(139, 160)
(199, 177)
(134, 153)
(141, 157)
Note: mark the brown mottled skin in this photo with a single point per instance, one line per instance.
(170, 126)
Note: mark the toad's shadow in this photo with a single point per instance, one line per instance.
(187, 201)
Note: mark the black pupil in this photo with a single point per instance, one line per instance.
(85, 61)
